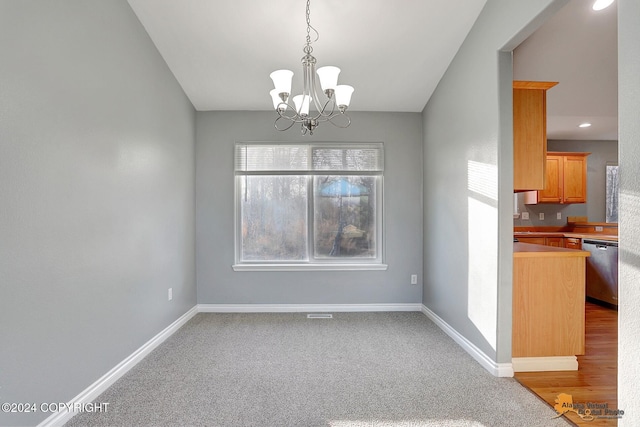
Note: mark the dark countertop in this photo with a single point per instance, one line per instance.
(594, 236)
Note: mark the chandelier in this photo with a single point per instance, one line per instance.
(331, 107)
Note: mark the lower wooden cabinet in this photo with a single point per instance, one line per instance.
(558, 242)
(547, 241)
(548, 304)
(534, 240)
(572, 243)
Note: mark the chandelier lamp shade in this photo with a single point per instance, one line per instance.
(313, 106)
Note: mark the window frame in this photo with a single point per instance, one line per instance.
(312, 263)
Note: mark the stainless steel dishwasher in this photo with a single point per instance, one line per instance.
(602, 270)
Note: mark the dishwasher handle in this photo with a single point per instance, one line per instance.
(600, 244)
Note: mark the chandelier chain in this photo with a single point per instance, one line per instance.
(308, 49)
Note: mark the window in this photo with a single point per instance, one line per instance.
(315, 205)
(613, 190)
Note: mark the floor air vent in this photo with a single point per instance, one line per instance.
(319, 316)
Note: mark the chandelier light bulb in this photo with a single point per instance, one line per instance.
(343, 95)
(282, 80)
(302, 104)
(328, 77)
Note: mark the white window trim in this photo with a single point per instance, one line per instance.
(311, 266)
(377, 264)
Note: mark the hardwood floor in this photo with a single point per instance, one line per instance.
(596, 380)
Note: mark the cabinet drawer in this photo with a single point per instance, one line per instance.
(557, 242)
(534, 240)
(572, 243)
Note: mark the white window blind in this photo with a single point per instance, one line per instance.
(280, 157)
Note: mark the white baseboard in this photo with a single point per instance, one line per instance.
(304, 308)
(538, 364)
(496, 369)
(103, 383)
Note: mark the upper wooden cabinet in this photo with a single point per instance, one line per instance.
(552, 191)
(529, 134)
(566, 180)
(574, 178)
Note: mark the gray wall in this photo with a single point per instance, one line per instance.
(219, 284)
(629, 143)
(602, 153)
(468, 161)
(96, 196)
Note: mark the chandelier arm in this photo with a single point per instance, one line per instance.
(323, 114)
(275, 124)
(309, 89)
(338, 125)
(295, 117)
(313, 88)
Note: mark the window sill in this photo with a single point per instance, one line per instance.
(309, 267)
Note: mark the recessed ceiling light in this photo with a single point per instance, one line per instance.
(584, 125)
(602, 4)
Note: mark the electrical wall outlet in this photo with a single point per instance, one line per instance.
(559, 215)
(541, 216)
(170, 294)
(525, 215)
(414, 279)
(599, 228)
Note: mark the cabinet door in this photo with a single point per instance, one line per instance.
(535, 240)
(557, 242)
(552, 192)
(575, 179)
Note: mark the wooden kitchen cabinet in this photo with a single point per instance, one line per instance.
(552, 192)
(575, 178)
(557, 242)
(529, 134)
(565, 180)
(548, 303)
(572, 243)
(534, 240)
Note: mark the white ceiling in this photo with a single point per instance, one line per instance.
(222, 51)
(393, 53)
(577, 47)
